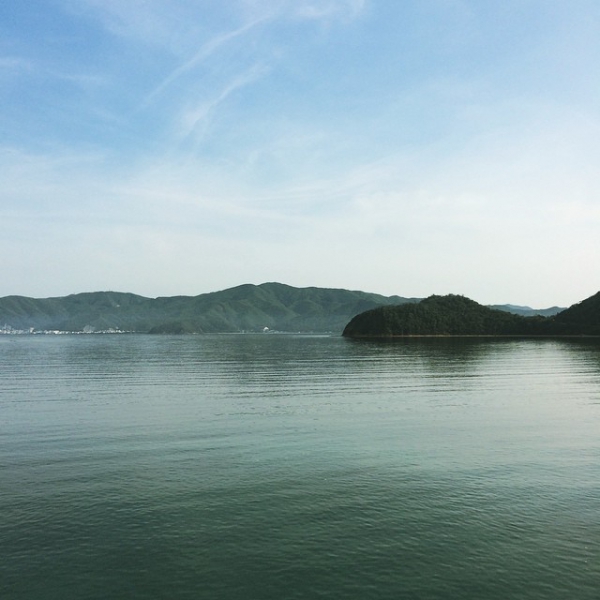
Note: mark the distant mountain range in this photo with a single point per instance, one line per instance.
(526, 311)
(249, 308)
(459, 316)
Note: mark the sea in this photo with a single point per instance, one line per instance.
(266, 466)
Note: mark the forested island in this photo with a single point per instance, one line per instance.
(455, 315)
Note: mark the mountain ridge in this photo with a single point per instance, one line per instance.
(246, 307)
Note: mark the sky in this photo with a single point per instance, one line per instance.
(410, 147)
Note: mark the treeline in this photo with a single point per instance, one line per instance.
(455, 315)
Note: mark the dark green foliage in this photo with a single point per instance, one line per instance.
(100, 310)
(436, 315)
(243, 308)
(457, 315)
(581, 319)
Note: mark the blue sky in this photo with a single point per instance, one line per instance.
(168, 147)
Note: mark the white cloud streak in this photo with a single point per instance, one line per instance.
(195, 121)
(206, 50)
(348, 9)
(15, 63)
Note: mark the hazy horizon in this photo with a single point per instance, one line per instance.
(282, 283)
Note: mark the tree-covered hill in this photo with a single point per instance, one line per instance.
(243, 308)
(454, 315)
(436, 315)
(580, 319)
(101, 310)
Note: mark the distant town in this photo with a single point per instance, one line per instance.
(8, 330)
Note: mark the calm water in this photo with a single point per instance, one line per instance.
(276, 467)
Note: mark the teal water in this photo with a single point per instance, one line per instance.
(275, 466)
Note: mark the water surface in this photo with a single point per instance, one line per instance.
(276, 466)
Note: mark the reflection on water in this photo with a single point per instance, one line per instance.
(273, 466)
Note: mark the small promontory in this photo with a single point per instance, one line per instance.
(455, 315)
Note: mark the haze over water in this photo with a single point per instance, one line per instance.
(280, 466)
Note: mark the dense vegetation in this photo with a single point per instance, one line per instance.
(243, 308)
(457, 315)
(580, 319)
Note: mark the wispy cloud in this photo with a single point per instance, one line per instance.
(345, 9)
(305, 9)
(202, 54)
(262, 14)
(156, 21)
(150, 21)
(10, 65)
(196, 120)
(14, 63)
